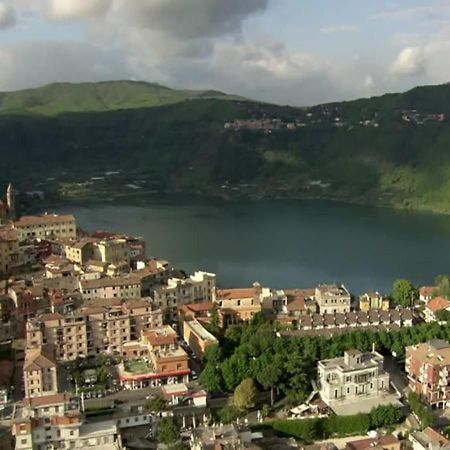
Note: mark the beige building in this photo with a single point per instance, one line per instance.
(39, 372)
(352, 378)
(56, 422)
(197, 337)
(93, 329)
(199, 287)
(124, 286)
(9, 249)
(373, 300)
(48, 226)
(240, 305)
(332, 298)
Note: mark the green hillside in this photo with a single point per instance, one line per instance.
(392, 150)
(87, 97)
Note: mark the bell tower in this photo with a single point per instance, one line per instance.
(11, 201)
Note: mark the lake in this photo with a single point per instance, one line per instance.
(284, 243)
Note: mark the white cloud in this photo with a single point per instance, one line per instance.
(369, 81)
(410, 61)
(77, 9)
(333, 29)
(7, 16)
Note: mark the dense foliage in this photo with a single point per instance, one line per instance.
(246, 351)
(338, 426)
(168, 431)
(404, 293)
(176, 141)
(420, 410)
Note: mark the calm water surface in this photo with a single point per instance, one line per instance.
(284, 243)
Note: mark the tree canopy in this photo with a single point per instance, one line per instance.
(245, 395)
(404, 293)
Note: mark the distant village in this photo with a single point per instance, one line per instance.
(101, 346)
(327, 116)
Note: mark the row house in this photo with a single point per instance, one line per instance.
(357, 319)
(428, 368)
(93, 329)
(46, 226)
(55, 421)
(348, 378)
(199, 287)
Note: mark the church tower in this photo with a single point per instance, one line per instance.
(11, 201)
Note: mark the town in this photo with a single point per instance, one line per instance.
(101, 346)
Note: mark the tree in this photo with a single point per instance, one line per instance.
(215, 321)
(156, 404)
(168, 432)
(404, 293)
(268, 377)
(443, 286)
(211, 378)
(245, 395)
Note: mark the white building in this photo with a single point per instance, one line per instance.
(332, 298)
(352, 377)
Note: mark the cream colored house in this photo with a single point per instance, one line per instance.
(39, 372)
(332, 298)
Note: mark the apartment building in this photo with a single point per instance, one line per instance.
(240, 305)
(428, 368)
(332, 298)
(197, 337)
(48, 226)
(352, 377)
(373, 300)
(124, 286)
(93, 329)
(39, 372)
(56, 422)
(9, 249)
(199, 287)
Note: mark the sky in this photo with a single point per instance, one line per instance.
(297, 52)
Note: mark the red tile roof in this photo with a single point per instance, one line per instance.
(438, 304)
(229, 294)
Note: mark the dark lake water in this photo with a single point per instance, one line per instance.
(284, 243)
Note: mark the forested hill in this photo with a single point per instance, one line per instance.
(61, 98)
(393, 149)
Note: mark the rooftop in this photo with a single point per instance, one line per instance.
(438, 304)
(43, 220)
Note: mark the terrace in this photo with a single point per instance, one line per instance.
(138, 366)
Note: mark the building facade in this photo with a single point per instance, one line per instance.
(199, 287)
(48, 226)
(351, 377)
(332, 298)
(9, 249)
(39, 372)
(428, 368)
(92, 330)
(373, 300)
(197, 337)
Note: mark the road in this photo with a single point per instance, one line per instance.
(397, 375)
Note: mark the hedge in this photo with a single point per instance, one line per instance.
(337, 426)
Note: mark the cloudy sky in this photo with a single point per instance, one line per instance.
(286, 51)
